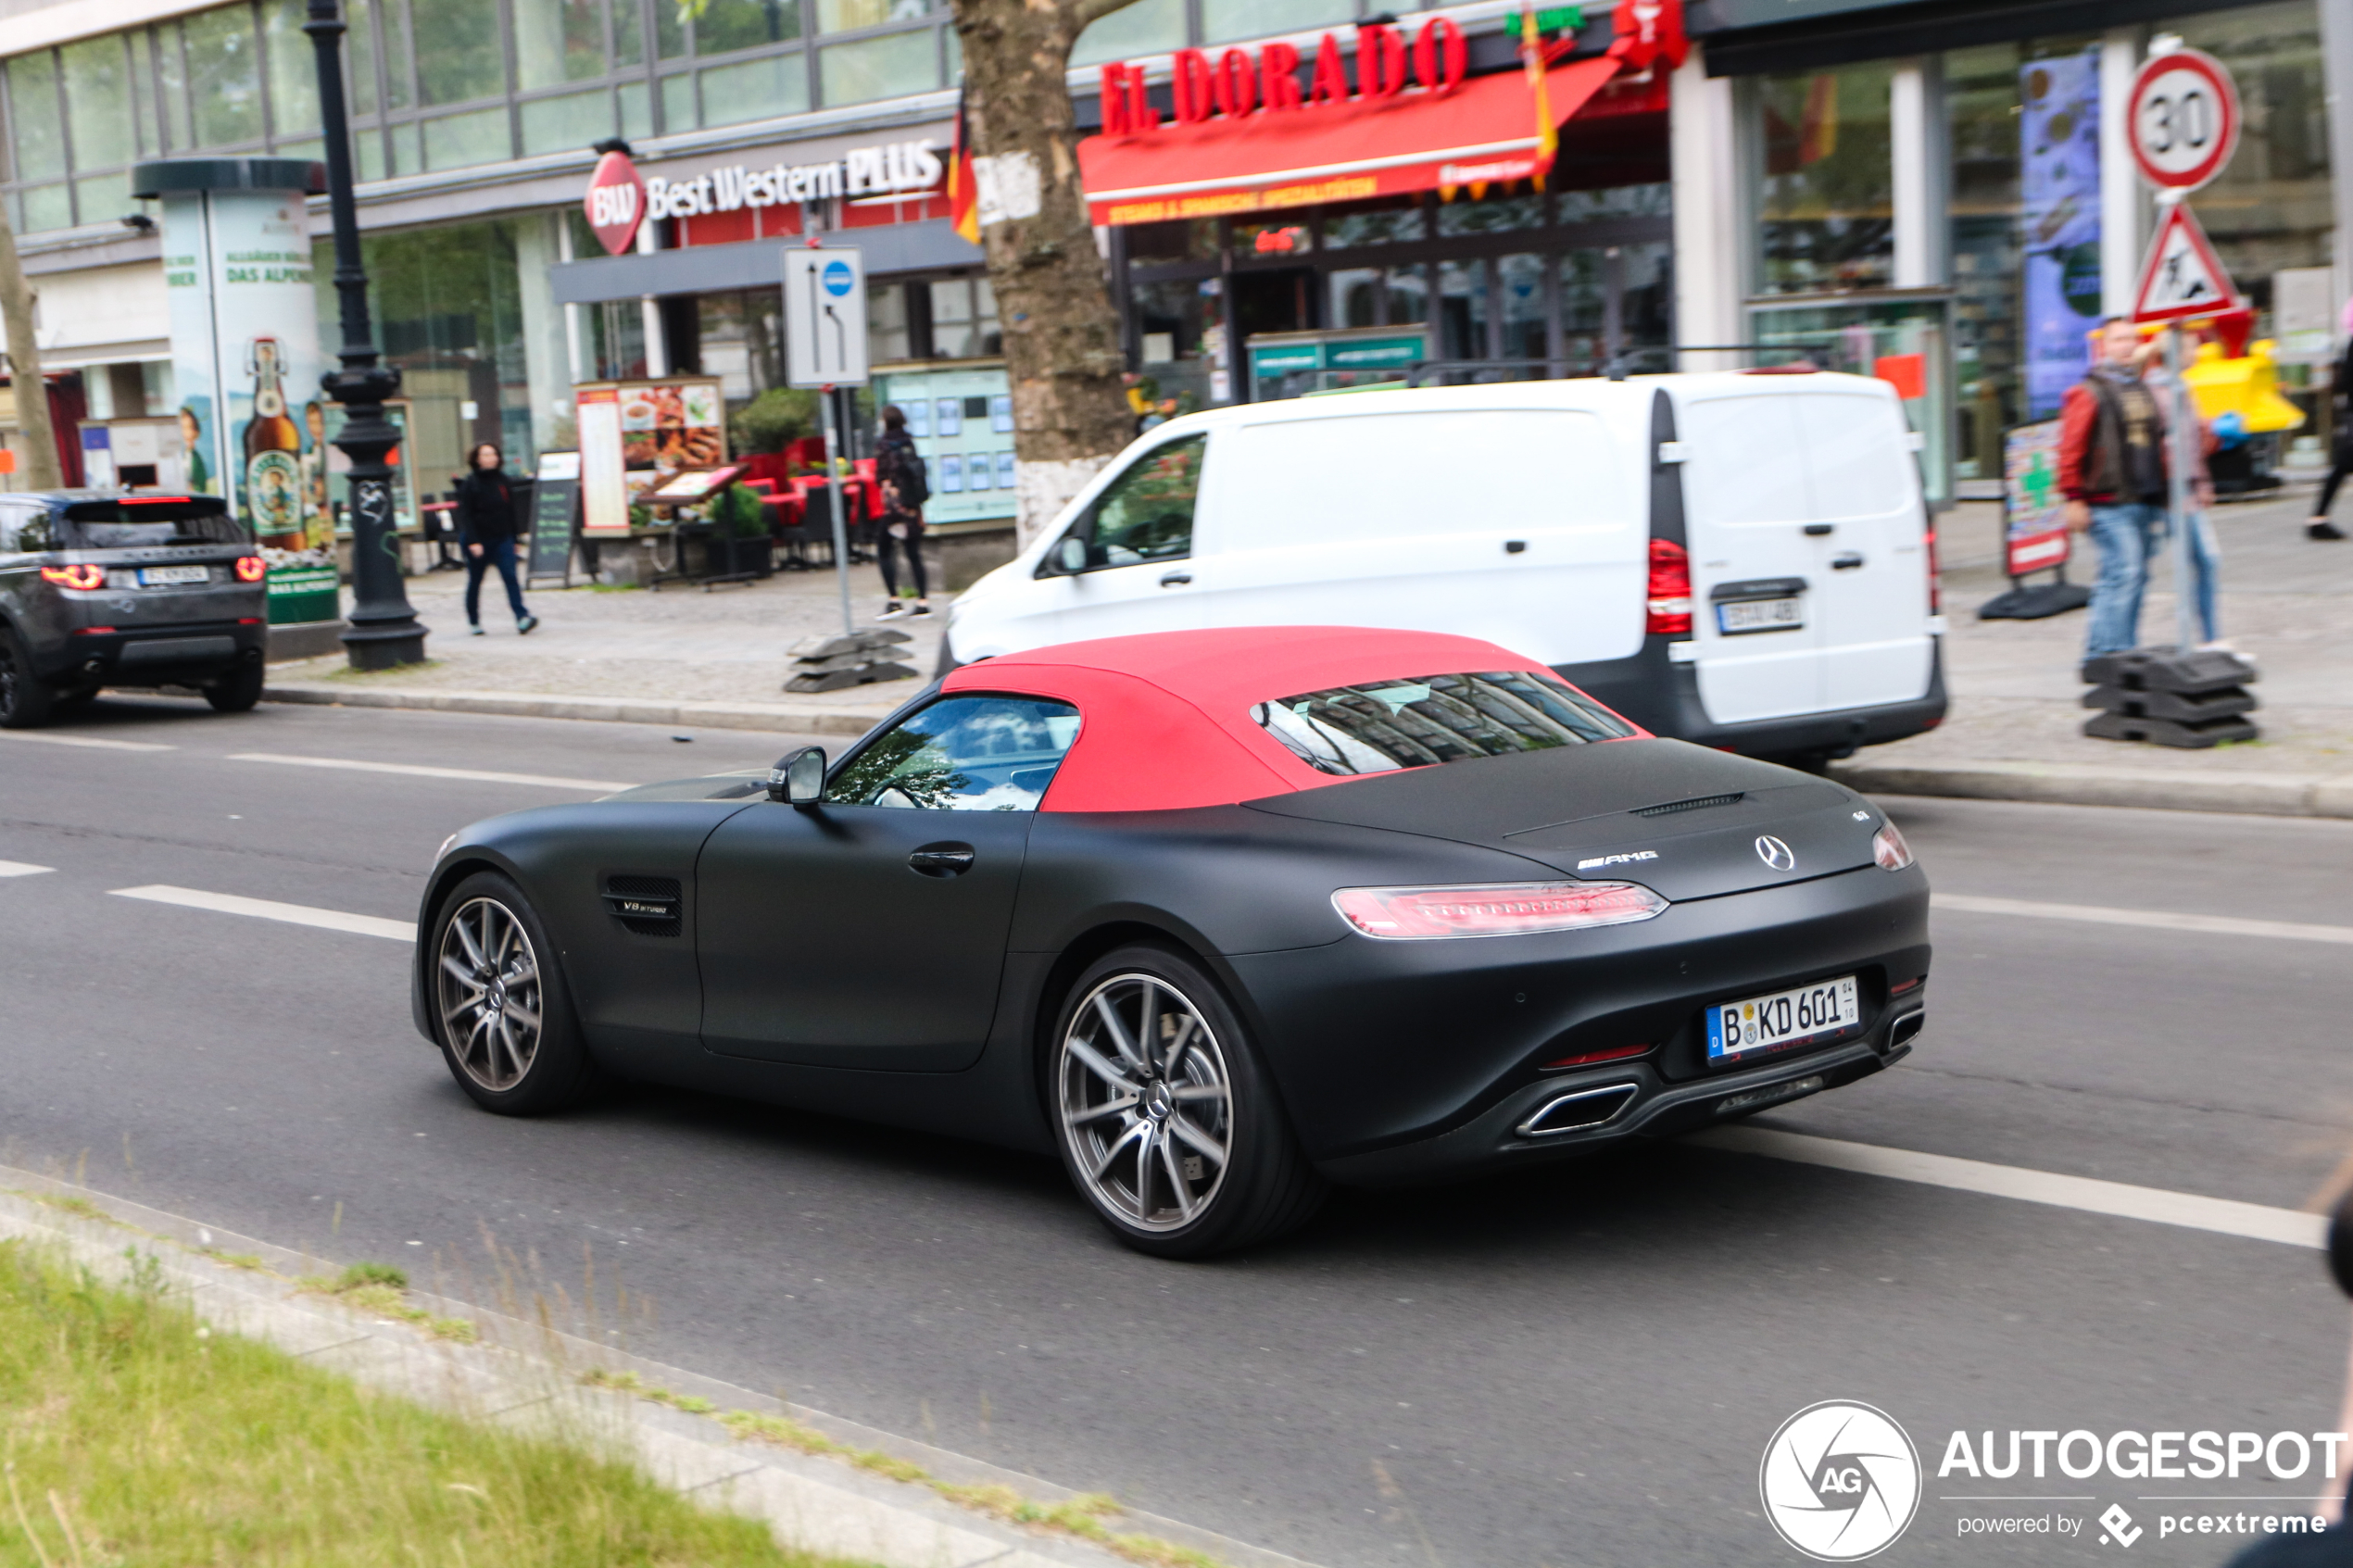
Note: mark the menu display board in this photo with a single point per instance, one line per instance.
(555, 508)
(638, 438)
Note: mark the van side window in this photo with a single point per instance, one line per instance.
(1147, 512)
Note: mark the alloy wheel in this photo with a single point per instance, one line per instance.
(490, 993)
(1146, 1102)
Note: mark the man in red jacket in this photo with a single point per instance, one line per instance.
(2113, 467)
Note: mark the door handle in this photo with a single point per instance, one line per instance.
(1847, 561)
(1821, 530)
(941, 859)
(1174, 579)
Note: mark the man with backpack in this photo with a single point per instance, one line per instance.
(899, 468)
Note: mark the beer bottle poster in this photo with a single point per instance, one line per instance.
(245, 352)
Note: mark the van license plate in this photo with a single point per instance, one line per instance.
(1783, 1019)
(161, 576)
(1743, 616)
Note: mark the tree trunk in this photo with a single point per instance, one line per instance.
(1063, 353)
(39, 468)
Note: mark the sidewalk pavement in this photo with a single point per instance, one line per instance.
(716, 658)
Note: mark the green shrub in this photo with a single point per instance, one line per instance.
(772, 420)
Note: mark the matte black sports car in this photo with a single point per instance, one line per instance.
(1218, 916)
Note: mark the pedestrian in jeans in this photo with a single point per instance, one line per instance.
(487, 530)
(899, 468)
(2341, 460)
(2113, 471)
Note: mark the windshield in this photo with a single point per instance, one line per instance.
(133, 524)
(1385, 725)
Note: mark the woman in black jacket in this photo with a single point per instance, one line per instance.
(487, 525)
(2341, 463)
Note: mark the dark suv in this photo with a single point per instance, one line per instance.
(99, 588)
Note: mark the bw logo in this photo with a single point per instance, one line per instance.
(2117, 1526)
(1841, 1481)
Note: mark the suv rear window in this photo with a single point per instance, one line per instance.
(1385, 725)
(133, 524)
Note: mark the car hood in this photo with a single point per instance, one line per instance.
(1684, 821)
(713, 787)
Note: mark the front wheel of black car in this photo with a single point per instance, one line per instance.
(237, 691)
(26, 701)
(501, 1012)
(1166, 1120)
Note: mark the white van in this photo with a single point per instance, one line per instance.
(1741, 559)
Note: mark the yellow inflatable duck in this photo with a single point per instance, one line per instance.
(2248, 386)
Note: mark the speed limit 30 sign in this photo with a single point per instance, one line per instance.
(2185, 119)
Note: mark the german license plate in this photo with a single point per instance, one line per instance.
(1785, 1018)
(1740, 616)
(163, 576)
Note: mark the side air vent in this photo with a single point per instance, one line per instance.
(646, 906)
(1701, 804)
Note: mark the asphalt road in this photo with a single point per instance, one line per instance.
(1581, 1365)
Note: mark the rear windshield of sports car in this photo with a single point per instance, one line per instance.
(1385, 725)
(139, 523)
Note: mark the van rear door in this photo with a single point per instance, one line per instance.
(1809, 577)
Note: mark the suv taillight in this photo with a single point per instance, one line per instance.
(1669, 595)
(1935, 577)
(251, 569)
(81, 574)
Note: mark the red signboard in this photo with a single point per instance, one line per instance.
(616, 202)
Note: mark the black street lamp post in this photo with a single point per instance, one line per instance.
(383, 630)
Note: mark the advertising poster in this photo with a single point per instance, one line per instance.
(245, 352)
(2058, 136)
(638, 437)
(2034, 511)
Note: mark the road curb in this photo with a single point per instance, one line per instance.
(2074, 783)
(778, 718)
(530, 1375)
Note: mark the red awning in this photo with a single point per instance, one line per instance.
(1483, 130)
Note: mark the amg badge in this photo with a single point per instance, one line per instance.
(1625, 859)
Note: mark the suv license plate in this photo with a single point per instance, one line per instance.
(1759, 615)
(1785, 1018)
(161, 576)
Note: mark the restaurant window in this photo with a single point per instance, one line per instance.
(964, 320)
(887, 325)
(1651, 200)
(1466, 217)
(1222, 22)
(1826, 198)
(560, 41)
(1400, 217)
(1162, 245)
(1463, 292)
(892, 65)
(1520, 301)
(459, 53)
(1146, 27)
(738, 332)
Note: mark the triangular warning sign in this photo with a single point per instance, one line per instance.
(2182, 277)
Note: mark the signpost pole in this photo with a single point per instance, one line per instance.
(842, 512)
(2179, 430)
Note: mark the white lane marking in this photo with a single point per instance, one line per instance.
(98, 741)
(2227, 1216)
(17, 868)
(418, 770)
(270, 909)
(2159, 920)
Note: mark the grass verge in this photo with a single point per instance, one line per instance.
(131, 1434)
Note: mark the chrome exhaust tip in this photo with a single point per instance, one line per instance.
(1575, 1113)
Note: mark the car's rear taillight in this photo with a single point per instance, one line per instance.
(1668, 609)
(251, 569)
(1888, 851)
(1509, 909)
(81, 574)
(1935, 577)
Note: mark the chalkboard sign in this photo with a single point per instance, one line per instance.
(555, 512)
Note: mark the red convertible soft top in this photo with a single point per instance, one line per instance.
(1166, 715)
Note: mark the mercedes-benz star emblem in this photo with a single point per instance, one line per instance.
(1776, 854)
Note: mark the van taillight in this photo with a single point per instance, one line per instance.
(1669, 608)
(1935, 577)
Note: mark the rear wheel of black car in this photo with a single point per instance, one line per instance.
(237, 691)
(26, 701)
(501, 1012)
(1167, 1120)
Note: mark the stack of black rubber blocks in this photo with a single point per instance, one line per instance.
(2189, 699)
(846, 658)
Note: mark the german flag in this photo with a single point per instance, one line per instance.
(964, 192)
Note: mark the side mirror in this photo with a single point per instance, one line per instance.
(799, 778)
(1071, 555)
